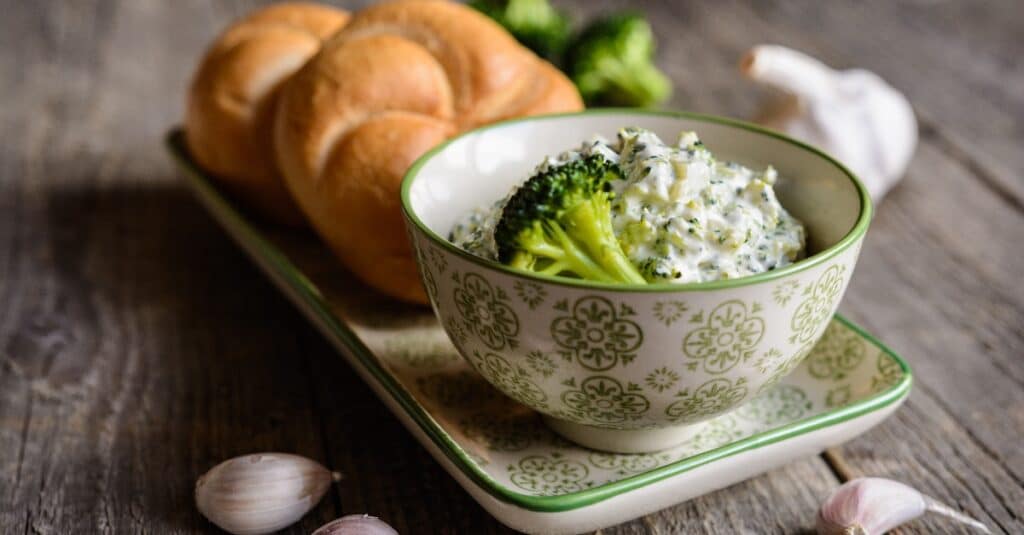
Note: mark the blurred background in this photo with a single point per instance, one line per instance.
(140, 347)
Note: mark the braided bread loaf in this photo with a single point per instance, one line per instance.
(397, 80)
(229, 117)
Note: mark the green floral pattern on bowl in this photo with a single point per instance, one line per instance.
(636, 362)
(512, 445)
(514, 381)
(595, 335)
(818, 305)
(485, 311)
(713, 397)
(604, 401)
(729, 337)
(629, 361)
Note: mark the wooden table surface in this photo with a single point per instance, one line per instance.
(138, 347)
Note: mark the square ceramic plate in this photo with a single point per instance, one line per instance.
(500, 451)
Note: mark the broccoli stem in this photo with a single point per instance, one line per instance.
(551, 242)
(583, 249)
(576, 256)
(590, 223)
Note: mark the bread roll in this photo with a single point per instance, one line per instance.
(230, 111)
(397, 80)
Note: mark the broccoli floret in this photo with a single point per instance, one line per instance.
(560, 223)
(534, 23)
(611, 62)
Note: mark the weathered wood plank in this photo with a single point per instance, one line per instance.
(924, 446)
(963, 278)
(118, 379)
(784, 500)
(934, 283)
(133, 359)
(958, 62)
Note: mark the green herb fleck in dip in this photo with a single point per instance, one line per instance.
(677, 213)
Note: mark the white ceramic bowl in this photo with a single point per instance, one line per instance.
(630, 368)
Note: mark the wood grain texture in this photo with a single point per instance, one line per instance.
(956, 314)
(138, 347)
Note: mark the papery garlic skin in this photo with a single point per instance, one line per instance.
(854, 115)
(872, 506)
(356, 525)
(869, 506)
(262, 492)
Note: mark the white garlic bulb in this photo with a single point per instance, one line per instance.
(356, 525)
(872, 506)
(262, 492)
(854, 115)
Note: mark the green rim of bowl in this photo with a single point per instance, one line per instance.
(297, 286)
(851, 238)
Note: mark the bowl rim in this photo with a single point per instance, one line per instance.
(852, 237)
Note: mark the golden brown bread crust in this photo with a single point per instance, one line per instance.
(320, 20)
(367, 220)
(398, 79)
(231, 102)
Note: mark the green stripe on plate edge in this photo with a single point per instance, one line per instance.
(309, 293)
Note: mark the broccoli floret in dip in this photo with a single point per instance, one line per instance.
(678, 214)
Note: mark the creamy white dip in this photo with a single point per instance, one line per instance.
(680, 215)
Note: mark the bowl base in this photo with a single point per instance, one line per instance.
(623, 441)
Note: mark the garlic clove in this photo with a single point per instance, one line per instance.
(356, 525)
(262, 492)
(872, 506)
(854, 115)
(869, 505)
